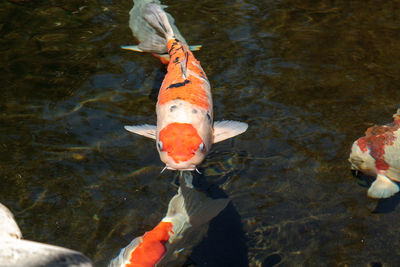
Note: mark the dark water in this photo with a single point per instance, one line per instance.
(307, 76)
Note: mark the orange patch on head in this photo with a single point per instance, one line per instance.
(152, 248)
(180, 140)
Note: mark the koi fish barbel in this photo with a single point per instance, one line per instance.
(185, 128)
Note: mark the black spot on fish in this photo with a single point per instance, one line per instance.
(172, 47)
(172, 108)
(208, 117)
(203, 75)
(177, 98)
(176, 85)
(176, 61)
(194, 111)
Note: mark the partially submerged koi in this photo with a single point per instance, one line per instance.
(377, 154)
(185, 128)
(188, 209)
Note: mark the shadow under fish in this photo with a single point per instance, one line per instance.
(225, 242)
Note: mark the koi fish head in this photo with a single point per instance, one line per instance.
(181, 147)
(361, 160)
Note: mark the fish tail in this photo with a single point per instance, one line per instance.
(151, 27)
(157, 18)
(191, 208)
(124, 256)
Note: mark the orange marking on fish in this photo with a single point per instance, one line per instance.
(376, 139)
(164, 60)
(180, 140)
(152, 248)
(175, 86)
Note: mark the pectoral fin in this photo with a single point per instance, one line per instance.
(227, 129)
(145, 130)
(194, 47)
(383, 187)
(132, 48)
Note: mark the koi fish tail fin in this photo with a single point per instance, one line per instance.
(124, 256)
(157, 18)
(191, 208)
(152, 26)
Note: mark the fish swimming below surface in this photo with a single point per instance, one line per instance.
(17, 252)
(185, 128)
(378, 154)
(188, 211)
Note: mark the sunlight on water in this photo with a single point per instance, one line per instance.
(308, 77)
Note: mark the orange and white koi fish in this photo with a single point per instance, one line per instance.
(188, 209)
(185, 129)
(149, 40)
(377, 154)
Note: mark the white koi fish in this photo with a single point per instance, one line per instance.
(378, 154)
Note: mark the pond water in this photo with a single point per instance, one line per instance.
(309, 77)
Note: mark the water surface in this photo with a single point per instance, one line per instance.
(308, 77)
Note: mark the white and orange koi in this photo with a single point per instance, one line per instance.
(377, 154)
(185, 129)
(189, 209)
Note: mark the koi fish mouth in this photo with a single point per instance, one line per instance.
(355, 162)
(180, 169)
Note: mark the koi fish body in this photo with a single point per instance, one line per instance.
(189, 209)
(185, 128)
(377, 154)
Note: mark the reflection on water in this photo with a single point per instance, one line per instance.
(308, 77)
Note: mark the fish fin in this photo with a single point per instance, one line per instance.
(154, 44)
(396, 116)
(393, 174)
(227, 129)
(194, 47)
(146, 130)
(157, 18)
(184, 63)
(192, 208)
(125, 254)
(382, 187)
(132, 48)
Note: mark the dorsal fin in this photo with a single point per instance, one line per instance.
(184, 62)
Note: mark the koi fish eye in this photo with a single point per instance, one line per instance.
(160, 146)
(201, 146)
